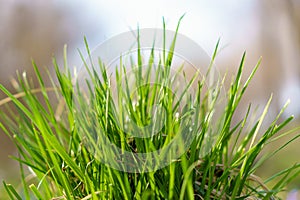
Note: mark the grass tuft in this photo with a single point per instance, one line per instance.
(65, 142)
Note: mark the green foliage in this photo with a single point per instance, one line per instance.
(50, 140)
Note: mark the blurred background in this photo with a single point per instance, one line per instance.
(39, 29)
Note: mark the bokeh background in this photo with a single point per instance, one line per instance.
(32, 29)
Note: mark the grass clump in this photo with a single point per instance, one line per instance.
(80, 145)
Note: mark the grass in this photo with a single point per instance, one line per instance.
(82, 146)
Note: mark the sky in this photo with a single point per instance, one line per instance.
(204, 21)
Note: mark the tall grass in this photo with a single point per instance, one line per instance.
(80, 146)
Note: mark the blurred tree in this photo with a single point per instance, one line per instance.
(293, 12)
(278, 44)
(32, 31)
